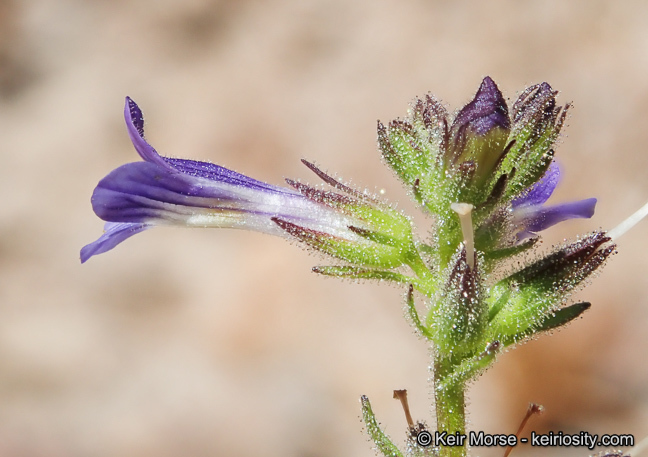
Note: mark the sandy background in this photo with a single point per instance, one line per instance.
(206, 342)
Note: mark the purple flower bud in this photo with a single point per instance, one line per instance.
(567, 266)
(462, 313)
(485, 112)
(537, 104)
(480, 130)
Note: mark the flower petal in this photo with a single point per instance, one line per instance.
(542, 190)
(167, 191)
(485, 112)
(144, 192)
(215, 172)
(114, 233)
(537, 218)
(135, 126)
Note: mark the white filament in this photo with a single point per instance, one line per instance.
(464, 211)
(630, 222)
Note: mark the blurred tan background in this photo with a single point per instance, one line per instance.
(217, 342)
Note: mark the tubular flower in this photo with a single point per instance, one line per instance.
(167, 191)
(530, 215)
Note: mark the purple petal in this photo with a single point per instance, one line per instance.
(542, 190)
(135, 126)
(114, 233)
(215, 172)
(537, 218)
(141, 191)
(486, 111)
(163, 190)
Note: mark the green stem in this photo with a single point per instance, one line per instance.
(450, 406)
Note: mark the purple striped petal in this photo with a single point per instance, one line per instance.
(531, 216)
(215, 172)
(146, 192)
(114, 233)
(135, 125)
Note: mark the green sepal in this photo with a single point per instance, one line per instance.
(384, 224)
(383, 443)
(363, 252)
(402, 150)
(378, 217)
(550, 321)
(376, 237)
(485, 151)
(493, 257)
(491, 231)
(351, 272)
(498, 304)
(562, 316)
(430, 121)
(510, 251)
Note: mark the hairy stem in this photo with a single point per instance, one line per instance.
(450, 406)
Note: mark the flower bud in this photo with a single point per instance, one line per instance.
(538, 289)
(480, 131)
(461, 315)
(537, 122)
(413, 147)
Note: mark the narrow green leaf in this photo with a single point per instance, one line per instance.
(413, 314)
(383, 443)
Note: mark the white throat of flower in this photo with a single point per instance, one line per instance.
(464, 210)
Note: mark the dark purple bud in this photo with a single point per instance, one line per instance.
(569, 265)
(485, 112)
(480, 131)
(462, 313)
(537, 101)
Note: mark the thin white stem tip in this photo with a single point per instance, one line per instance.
(630, 222)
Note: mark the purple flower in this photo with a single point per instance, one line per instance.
(530, 214)
(166, 191)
